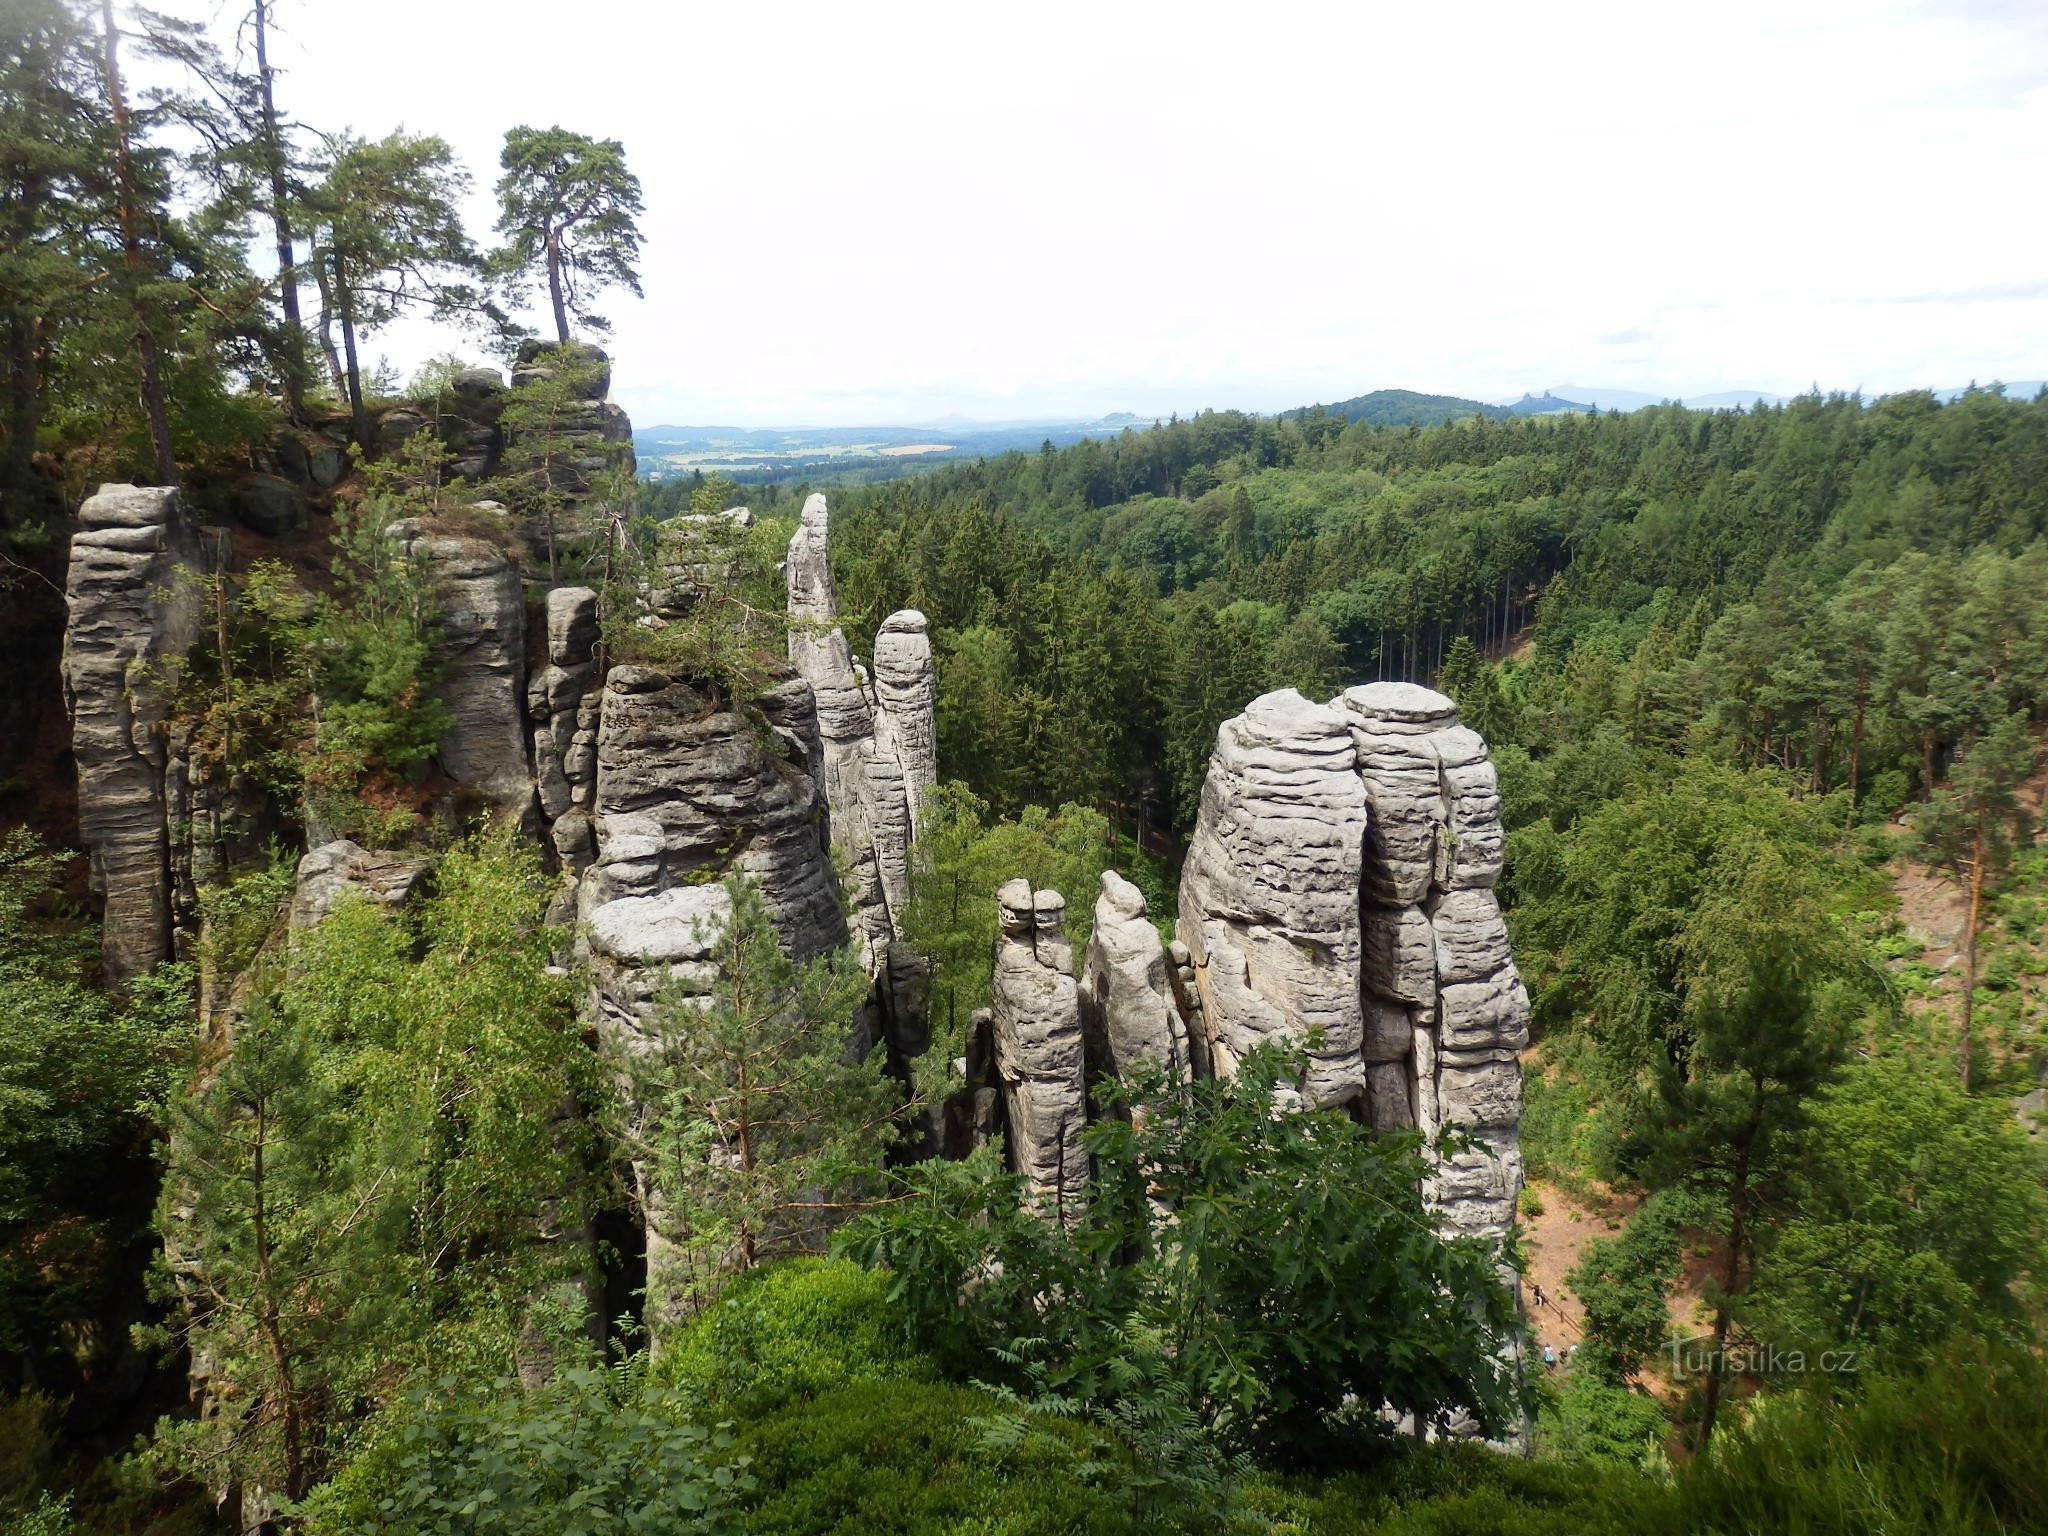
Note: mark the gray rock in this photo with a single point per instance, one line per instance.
(342, 868)
(1126, 987)
(326, 463)
(481, 644)
(270, 505)
(1269, 896)
(133, 595)
(1039, 1054)
(906, 690)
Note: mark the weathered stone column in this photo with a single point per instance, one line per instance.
(134, 599)
(1036, 1024)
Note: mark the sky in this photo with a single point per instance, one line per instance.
(893, 212)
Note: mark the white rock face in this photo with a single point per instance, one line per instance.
(482, 648)
(1269, 894)
(342, 868)
(1437, 949)
(1036, 1021)
(879, 757)
(1126, 986)
(133, 592)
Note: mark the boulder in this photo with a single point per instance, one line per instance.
(270, 505)
(342, 868)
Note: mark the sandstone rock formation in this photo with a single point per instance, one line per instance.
(879, 747)
(1436, 948)
(687, 790)
(133, 593)
(1339, 889)
(1128, 1008)
(1269, 894)
(341, 868)
(1035, 1011)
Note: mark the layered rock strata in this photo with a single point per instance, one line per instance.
(1128, 1008)
(1450, 1014)
(1039, 1057)
(879, 747)
(480, 643)
(1339, 890)
(687, 790)
(133, 591)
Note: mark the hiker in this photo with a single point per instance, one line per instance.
(1549, 1358)
(1536, 1288)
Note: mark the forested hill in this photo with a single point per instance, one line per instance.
(1404, 407)
(1843, 590)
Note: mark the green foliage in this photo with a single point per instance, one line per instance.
(357, 1187)
(1916, 1210)
(902, 1458)
(586, 1454)
(960, 859)
(1960, 1450)
(1623, 1284)
(81, 1074)
(790, 1330)
(756, 1127)
(1594, 1418)
(568, 205)
(1263, 1270)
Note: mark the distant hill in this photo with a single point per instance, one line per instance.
(1407, 407)
(1545, 404)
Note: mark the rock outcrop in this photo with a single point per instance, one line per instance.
(342, 868)
(686, 791)
(1339, 889)
(1128, 1009)
(1035, 1016)
(1437, 962)
(1269, 894)
(879, 748)
(481, 646)
(134, 599)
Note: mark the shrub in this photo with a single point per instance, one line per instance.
(587, 1455)
(791, 1330)
(1592, 1419)
(900, 1458)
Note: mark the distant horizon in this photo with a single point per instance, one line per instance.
(1143, 418)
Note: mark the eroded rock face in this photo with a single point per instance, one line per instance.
(1437, 959)
(687, 791)
(1341, 878)
(133, 591)
(1269, 894)
(1126, 988)
(342, 868)
(482, 648)
(878, 745)
(1035, 1022)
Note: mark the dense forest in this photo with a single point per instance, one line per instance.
(381, 1196)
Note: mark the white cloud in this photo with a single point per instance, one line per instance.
(890, 211)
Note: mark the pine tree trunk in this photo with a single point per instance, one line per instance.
(1856, 739)
(294, 359)
(335, 376)
(555, 285)
(129, 218)
(270, 1322)
(1731, 1271)
(1970, 956)
(358, 411)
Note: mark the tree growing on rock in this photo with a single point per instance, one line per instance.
(567, 208)
(387, 238)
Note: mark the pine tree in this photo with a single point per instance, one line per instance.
(567, 205)
(1969, 828)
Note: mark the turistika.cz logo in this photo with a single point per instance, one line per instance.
(1698, 1357)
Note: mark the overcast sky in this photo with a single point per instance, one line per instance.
(882, 212)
